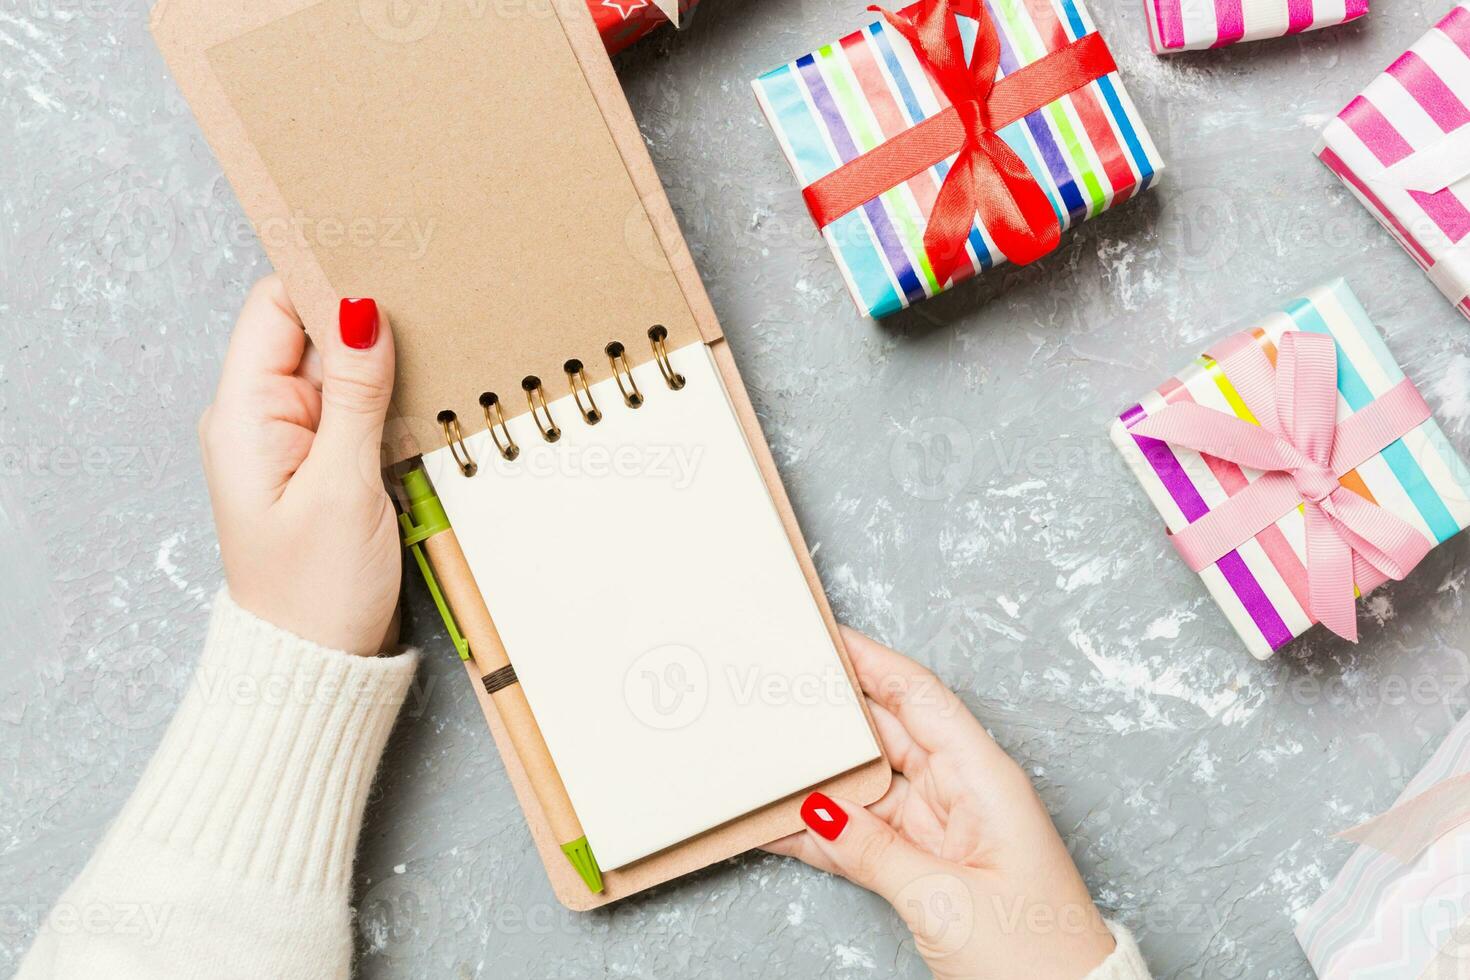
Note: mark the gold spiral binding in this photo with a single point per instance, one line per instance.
(577, 378)
(659, 336)
(454, 438)
(490, 401)
(617, 356)
(536, 398)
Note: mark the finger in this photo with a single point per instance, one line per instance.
(866, 850)
(890, 807)
(785, 846)
(904, 754)
(929, 711)
(357, 386)
(906, 810)
(268, 339)
(800, 846)
(931, 737)
(309, 402)
(310, 368)
(915, 804)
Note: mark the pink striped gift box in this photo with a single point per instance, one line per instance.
(1400, 907)
(1262, 586)
(1403, 148)
(1188, 25)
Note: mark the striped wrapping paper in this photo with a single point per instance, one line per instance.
(1403, 147)
(1384, 918)
(1262, 585)
(1188, 25)
(1089, 149)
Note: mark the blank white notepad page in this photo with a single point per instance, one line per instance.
(649, 598)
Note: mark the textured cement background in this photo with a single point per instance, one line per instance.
(950, 468)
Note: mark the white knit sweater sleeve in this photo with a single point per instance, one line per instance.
(1126, 963)
(233, 856)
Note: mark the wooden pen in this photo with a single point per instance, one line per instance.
(426, 528)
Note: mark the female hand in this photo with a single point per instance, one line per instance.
(291, 453)
(961, 846)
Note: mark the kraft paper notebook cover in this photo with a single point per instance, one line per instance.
(545, 236)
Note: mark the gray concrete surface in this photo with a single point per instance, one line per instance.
(949, 466)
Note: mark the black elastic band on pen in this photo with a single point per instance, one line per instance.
(499, 680)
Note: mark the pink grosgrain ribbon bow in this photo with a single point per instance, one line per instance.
(1303, 451)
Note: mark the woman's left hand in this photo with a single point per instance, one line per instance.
(292, 456)
(961, 845)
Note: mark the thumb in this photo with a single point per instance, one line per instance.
(869, 852)
(357, 387)
(932, 896)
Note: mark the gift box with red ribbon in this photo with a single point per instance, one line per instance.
(1296, 468)
(621, 22)
(955, 135)
(1403, 148)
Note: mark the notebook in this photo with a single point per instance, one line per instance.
(690, 679)
(481, 176)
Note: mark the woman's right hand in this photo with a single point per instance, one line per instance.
(961, 845)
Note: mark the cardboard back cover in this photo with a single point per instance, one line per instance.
(469, 168)
(476, 169)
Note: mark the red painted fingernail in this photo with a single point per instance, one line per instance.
(823, 816)
(358, 319)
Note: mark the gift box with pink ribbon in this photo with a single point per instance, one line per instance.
(1189, 25)
(903, 132)
(1403, 148)
(1400, 907)
(1296, 468)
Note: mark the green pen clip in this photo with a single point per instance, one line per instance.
(425, 519)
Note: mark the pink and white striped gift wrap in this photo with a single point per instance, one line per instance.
(1400, 907)
(1189, 25)
(1262, 585)
(1403, 148)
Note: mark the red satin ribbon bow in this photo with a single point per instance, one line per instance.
(987, 177)
(1303, 452)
